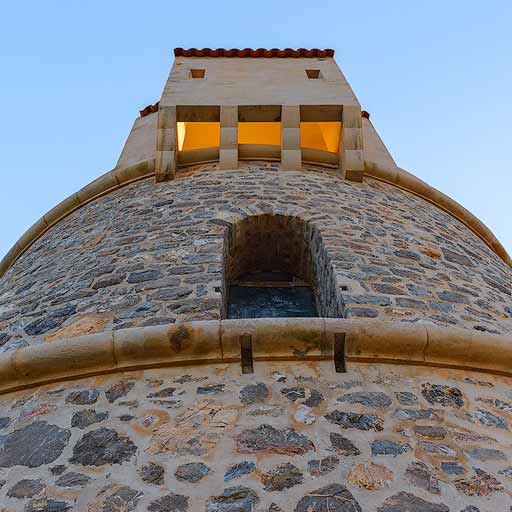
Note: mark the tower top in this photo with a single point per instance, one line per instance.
(254, 53)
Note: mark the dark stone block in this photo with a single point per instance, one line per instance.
(443, 395)
(85, 397)
(407, 502)
(353, 420)
(73, 479)
(26, 489)
(282, 477)
(321, 467)
(331, 498)
(254, 394)
(303, 396)
(369, 398)
(169, 503)
(342, 445)
(234, 499)
(119, 390)
(239, 470)
(192, 472)
(152, 473)
(84, 419)
(386, 447)
(51, 321)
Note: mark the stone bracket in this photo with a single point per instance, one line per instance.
(351, 144)
(165, 165)
(228, 151)
(291, 157)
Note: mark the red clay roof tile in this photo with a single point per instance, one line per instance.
(253, 53)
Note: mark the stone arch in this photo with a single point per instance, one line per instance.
(261, 247)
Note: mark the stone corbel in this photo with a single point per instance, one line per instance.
(351, 144)
(165, 165)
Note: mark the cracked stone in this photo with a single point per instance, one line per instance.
(239, 470)
(353, 420)
(84, 419)
(34, 445)
(26, 489)
(84, 397)
(419, 475)
(370, 476)
(234, 499)
(369, 398)
(152, 473)
(331, 498)
(443, 395)
(282, 477)
(254, 394)
(192, 472)
(342, 445)
(303, 396)
(103, 446)
(319, 467)
(386, 447)
(119, 390)
(72, 479)
(267, 439)
(169, 503)
(407, 502)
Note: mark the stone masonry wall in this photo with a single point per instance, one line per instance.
(149, 254)
(293, 437)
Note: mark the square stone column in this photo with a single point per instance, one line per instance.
(351, 144)
(228, 152)
(165, 166)
(291, 158)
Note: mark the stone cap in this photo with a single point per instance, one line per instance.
(254, 53)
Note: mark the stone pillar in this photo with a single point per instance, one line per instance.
(165, 166)
(351, 144)
(228, 152)
(291, 158)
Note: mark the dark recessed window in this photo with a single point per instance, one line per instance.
(313, 74)
(197, 73)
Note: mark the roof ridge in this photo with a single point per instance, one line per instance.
(254, 52)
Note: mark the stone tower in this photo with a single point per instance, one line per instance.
(256, 310)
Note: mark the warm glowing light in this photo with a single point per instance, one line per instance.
(259, 133)
(324, 136)
(197, 135)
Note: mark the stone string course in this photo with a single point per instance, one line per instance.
(148, 254)
(292, 437)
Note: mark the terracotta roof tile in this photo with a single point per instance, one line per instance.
(149, 109)
(253, 53)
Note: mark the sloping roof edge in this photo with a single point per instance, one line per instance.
(254, 52)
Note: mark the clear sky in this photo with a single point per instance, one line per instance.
(436, 77)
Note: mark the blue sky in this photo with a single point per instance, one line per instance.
(436, 77)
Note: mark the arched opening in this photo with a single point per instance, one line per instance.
(277, 266)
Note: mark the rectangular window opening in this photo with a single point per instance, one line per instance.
(313, 74)
(197, 73)
(322, 135)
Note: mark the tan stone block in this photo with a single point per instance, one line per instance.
(290, 138)
(166, 117)
(352, 138)
(229, 138)
(355, 176)
(353, 160)
(8, 375)
(135, 171)
(352, 116)
(62, 209)
(32, 233)
(290, 116)
(165, 167)
(99, 186)
(166, 139)
(228, 159)
(228, 116)
(291, 159)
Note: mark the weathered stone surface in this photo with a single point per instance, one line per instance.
(443, 395)
(47, 505)
(452, 468)
(34, 445)
(210, 390)
(84, 419)
(116, 498)
(486, 454)
(319, 467)
(370, 476)
(407, 398)
(491, 420)
(418, 414)
(432, 432)
(58, 470)
(239, 470)
(267, 439)
(482, 484)
(369, 398)
(73, 479)
(342, 445)
(119, 390)
(234, 499)
(419, 475)
(455, 257)
(163, 393)
(192, 472)
(305, 396)
(146, 275)
(266, 410)
(26, 489)
(103, 446)
(152, 473)
(84, 397)
(407, 502)
(437, 448)
(387, 447)
(5, 422)
(50, 321)
(282, 477)
(353, 420)
(169, 503)
(331, 498)
(254, 394)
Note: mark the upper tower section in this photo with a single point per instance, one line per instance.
(293, 106)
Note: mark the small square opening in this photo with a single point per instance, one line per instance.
(313, 74)
(197, 73)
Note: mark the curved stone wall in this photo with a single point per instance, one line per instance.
(148, 254)
(291, 437)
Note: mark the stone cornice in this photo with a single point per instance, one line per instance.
(119, 177)
(286, 339)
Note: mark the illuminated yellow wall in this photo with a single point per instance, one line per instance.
(259, 133)
(324, 136)
(198, 135)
